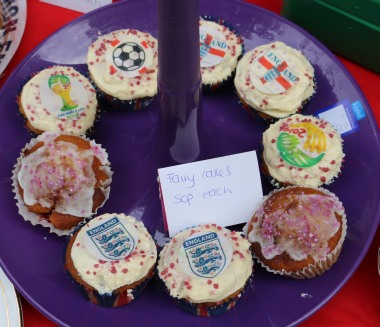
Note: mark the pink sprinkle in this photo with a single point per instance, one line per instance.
(172, 265)
(96, 265)
(87, 272)
(124, 270)
(78, 244)
(141, 263)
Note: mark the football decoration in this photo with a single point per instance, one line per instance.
(128, 56)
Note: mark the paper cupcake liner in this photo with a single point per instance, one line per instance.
(319, 267)
(123, 105)
(205, 309)
(114, 299)
(215, 86)
(40, 219)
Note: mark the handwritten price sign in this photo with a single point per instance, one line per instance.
(79, 5)
(223, 190)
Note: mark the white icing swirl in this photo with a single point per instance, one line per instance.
(221, 71)
(107, 276)
(281, 104)
(199, 289)
(39, 108)
(318, 132)
(58, 175)
(112, 81)
(301, 227)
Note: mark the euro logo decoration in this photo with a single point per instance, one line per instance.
(302, 144)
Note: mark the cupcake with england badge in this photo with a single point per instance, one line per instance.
(298, 231)
(59, 180)
(111, 259)
(60, 99)
(123, 65)
(205, 269)
(221, 47)
(302, 150)
(274, 80)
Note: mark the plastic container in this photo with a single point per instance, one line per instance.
(350, 28)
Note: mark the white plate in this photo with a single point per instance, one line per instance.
(12, 24)
(10, 308)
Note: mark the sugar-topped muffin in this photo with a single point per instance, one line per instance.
(298, 231)
(59, 180)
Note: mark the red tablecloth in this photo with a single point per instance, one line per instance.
(358, 302)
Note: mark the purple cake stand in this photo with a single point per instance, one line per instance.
(32, 258)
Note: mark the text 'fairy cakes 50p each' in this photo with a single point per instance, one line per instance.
(298, 232)
(206, 268)
(123, 65)
(59, 99)
(274, 80)
(302, 150)
(111, 259)
(59, 180)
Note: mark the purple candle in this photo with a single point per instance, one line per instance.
(179, 80)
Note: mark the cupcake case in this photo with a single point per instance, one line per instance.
(32, 258)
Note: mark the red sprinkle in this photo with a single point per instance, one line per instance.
(216, 286)
(209, 282)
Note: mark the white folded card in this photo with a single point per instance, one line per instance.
(225, 191)
(79, 5)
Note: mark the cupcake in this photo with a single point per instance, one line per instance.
(59, 99)
(205, 269)
(220, 49)
(111, 259)
(298, 232)
(274, 80)
(123, 65)
(302, 150)
(59, 180)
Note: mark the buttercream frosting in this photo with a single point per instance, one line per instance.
(107, 276)
(275, 79)
(302, 150)
(124, 64)
(224, 45)
(300, 227)
(59, 99)
(208, 273)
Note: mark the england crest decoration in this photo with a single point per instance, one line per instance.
(111, 239)
(205, 254)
